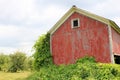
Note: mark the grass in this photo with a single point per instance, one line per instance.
(14, 76)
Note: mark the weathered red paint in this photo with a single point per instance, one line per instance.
(90, 39)
(116, 42)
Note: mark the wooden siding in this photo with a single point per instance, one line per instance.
(90, 39)
(116, 42)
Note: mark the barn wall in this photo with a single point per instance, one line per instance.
(90, 39)
(116, 42)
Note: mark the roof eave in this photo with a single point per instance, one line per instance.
(88, 14)
(114, 26)
(60, 21)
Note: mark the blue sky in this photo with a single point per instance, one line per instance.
(23, 21)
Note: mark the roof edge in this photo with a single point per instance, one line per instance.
(86, 13)
(114, 26)
(62, 19)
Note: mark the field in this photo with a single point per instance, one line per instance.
(14, 76)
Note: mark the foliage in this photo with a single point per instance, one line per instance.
(17, 61)
(86, 59)
(82, 70)
(42, 54)
(4, 62)
(28, 64)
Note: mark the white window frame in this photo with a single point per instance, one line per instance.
(72, 23)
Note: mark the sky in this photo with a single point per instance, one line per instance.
(23, 21)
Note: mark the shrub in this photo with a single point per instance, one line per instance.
(42, 55)
(106, 71)
(85, 69)
(17, 61)
(28, 64)
(86, 59)
(4, 62)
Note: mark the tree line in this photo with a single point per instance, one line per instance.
(18, 61)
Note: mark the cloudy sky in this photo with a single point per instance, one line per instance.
(23, 21)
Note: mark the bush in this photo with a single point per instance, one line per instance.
(4, 62)
(17, 61)
(107, 71)
(42, 55)
(28, 63)
(86, 59)
(83, 70)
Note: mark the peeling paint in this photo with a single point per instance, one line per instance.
(116, 42)
(91, 39)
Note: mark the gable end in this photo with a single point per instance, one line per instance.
(88, 14)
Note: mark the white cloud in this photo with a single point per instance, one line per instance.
(16, 9)
(108, 8)
(8, 31)
(29, 13)
(13, 38)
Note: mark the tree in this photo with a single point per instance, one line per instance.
(4, 62)
(42, 53)
(17, 61)
(29, 63)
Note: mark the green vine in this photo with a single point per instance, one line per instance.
(42, 53)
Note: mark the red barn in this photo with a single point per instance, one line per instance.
(80, 33)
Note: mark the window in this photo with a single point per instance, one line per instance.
(75, 23)
(117, 59)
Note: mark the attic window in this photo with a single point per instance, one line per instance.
(75, 23)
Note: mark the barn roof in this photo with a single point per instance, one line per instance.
(86, 13)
